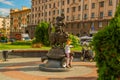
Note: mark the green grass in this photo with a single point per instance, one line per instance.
(77, 48)
(9, 46)
(4, 46)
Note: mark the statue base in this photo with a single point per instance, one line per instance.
(55, 61)
(53, 66)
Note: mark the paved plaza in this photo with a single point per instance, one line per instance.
(28, 69)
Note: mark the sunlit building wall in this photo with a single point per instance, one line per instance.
(82, 17)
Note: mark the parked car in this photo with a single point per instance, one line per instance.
(12, 40)
(26, 39)
(85, 39)
(4, 41)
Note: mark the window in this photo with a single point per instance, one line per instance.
(35, 9)
(101, 4)
(73, 9)
(32, 3)
(74, 1)
(93, 5)
(39, 8)
(54, 5)
(85, 24)
(33, 16)
(92, 15)
(58, 4)
(49, 13)
(110, 13)
(86, 7)
(78, 25)
(85, 16)
(45, 13)
(67, 25)
(100, 24)
(32, 9)
(78, 16)
(45, 6)
(110, 2)
(49, 5)
(49, 20)
(92, 26)
(68, 1)
(101, 14)
(67, 18)
(71, 25)
(39, 14)
(53, 12)
(67, 10)
(62, 10)
(42, 7)
(43, 1)
(117, 2)
(79, 8)
(73, 18)
(58, 11)
(62, 2)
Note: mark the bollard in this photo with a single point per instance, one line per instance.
(5, 55)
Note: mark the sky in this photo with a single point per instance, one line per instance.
(6, 5)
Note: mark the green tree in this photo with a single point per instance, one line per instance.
(75, 40)
(41, 34)
(107, 48)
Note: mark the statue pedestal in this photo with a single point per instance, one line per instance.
(53, 63)
(56, 53)
(56, 59)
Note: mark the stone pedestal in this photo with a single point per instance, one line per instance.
(55, 61)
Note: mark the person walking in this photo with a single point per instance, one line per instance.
(68, 53)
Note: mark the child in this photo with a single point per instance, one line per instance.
(68, 52)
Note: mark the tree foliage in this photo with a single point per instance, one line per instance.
(41, 34)
(107, 48)
(75, 40)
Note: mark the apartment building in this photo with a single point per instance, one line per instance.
(82, 17)
(5, 26)
(19, 19)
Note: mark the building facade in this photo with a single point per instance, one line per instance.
(5, 26)
(82, 17)
(19, 19)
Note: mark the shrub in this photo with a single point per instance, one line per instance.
(41, 34)
(107, 48)
(75, 40)
(37, 45)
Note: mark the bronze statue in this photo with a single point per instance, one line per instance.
(59, 37)
(56, 55)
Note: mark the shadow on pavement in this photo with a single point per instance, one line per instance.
(75, 78)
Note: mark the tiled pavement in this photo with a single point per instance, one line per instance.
(27, 69)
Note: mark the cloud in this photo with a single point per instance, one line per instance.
(7, 2)
(4, 11)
